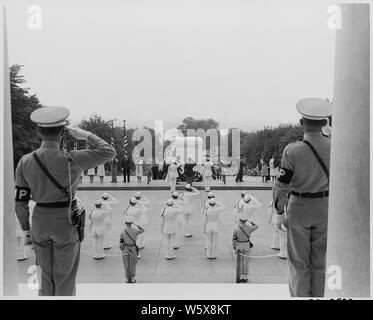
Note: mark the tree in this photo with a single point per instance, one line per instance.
(25, 137)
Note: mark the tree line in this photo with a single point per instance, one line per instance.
(264, 143)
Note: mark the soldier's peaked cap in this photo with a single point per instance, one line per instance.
(50, 116)
(314, 108)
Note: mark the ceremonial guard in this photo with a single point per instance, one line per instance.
(127, 244)
(241, 242)
(187, 196)
(108, 200)
(278, 235)
(126, 167)
(97, 228)
(142, 201)
(50, 176)
(169, 226)
(304, 174)
(137, 211)
(211, 225)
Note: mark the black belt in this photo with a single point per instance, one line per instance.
(64, 204)
(321, 194)
(243, 241)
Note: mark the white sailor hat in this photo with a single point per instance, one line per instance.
(133, 200)
(212, 201)
(105, 195)
(210, 195)
(247, 198)
(175, 194)
(98, 203)
(314, 108)
(128, 218)
(137, 195)
(50, 116)
(242, 216)
(170, 202)
(188, 186)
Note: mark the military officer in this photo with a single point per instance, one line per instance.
(211, 226)
(241, 241)
(248, 206)
(304, 174)
(55, 239)
(108, 200)
(137, 211)
(127, 244)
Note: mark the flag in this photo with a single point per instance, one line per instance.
(8, 272)
(136, 155)
(112, 142)
(125, 142)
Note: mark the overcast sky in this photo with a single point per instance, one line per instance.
(243, 63)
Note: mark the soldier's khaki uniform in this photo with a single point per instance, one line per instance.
(55, 240)
(307, 217)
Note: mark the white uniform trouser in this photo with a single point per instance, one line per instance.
(211, 244)
(21, 246)
(98, 246)
(207, 183)
(187, 224)
(141, 239)
(169, 245)
(108, 223)
(173, 184)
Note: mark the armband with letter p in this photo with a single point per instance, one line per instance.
(23, 194)
(285, 175)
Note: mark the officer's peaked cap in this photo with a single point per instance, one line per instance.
(50, 116)
(314, 108)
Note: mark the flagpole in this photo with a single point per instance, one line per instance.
(8, 226)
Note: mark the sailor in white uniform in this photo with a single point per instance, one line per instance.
(180, 204)
(187, 196)
(110, 201)
(211, 226)
(169, 225)
(248, 206)
(279, 234)
(144, 202)
(97, 228)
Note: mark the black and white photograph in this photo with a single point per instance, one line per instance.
(185, 149)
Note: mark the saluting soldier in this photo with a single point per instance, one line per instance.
(142, 201)
(241, 241)
(127, 244)
(248, 206)
(55, 239)
(304, 174)
(187, 196)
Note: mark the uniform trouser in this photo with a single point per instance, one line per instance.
(126, 175)
(244, 248)
(141, 238)
(307, 223)
(57, 250)
(187, 224)
(207, 182)
(173, 184)
(211, 244)
(189, 180)
(169, 244)
(107, 239)
(98, 246)
(129, 258)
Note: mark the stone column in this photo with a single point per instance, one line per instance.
(8, 228)
(348, 251)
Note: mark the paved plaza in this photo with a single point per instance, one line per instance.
(191, 265)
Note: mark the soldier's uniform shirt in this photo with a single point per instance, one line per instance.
(51, 231)
(170, 218)
(98, 228)
(307, 217)
(138, 214)
(241, 238)
(212, 216)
